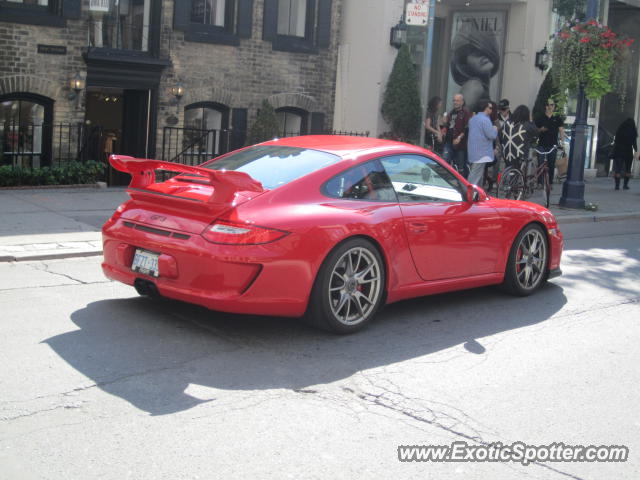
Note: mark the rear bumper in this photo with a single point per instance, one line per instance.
(239, 279)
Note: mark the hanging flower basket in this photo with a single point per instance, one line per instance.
(592, 56)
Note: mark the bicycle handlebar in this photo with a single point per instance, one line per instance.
(555, 147)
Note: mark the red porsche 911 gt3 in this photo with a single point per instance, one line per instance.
(329, 228)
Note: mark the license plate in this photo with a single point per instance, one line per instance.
(145, 262)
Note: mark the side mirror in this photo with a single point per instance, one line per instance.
(475, 194)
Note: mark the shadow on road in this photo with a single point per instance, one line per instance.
(148, 352)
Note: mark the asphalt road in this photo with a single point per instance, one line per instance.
(99, 383)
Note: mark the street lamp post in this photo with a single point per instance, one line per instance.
(426, 66)
(573, 187)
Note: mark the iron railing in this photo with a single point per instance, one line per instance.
(32, 145)
(193, 146)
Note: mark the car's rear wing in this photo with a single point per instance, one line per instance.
(225, 183)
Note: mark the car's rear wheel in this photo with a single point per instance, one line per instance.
(349, 288)
(527, 268)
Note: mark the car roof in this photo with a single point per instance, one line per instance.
(343, 145)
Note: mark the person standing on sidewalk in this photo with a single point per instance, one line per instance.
(551, 128)
(455, 146)
(433, 135)
(482, 134)
(504, 112)
(624, 146)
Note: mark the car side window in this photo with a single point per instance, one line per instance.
(368, 181)
(421, 179)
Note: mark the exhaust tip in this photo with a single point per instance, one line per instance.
(145, 288)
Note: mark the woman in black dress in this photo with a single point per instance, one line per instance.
(625, 144)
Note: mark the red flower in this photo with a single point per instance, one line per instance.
(592, 22)
(564, 35)
(584, 40)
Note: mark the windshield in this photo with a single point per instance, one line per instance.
(274, 166)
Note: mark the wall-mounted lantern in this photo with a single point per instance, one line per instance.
(177, 91)
(76, 84)
(542, 59)
(398, 35)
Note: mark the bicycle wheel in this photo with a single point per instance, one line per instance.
(547, 187)
(511, 184)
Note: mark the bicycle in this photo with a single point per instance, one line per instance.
(518, 182)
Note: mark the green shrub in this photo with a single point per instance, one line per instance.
(401, 105)
(68, 174)
(265, 127)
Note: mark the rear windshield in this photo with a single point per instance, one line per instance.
(274, 166)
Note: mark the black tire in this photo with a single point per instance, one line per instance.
(511, 185)
(527, 266)
(349, 288)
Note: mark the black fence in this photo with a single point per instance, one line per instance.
(32, 146)
(193, 146)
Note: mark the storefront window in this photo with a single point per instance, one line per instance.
(21, 132)
(121, 24)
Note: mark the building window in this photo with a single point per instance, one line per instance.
(214, 21)
(25, 130)
(205, 131)
(121, 24)
(39, 12)
(292, 17)
(208, 12)
(291, 121)
(297, 25)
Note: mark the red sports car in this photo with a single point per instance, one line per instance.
(329, 228)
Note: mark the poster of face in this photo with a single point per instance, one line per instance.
(477, 44)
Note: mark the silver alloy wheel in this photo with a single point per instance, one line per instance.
(354, 286)
(531, 259)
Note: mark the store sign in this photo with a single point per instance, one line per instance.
(52, 49)
(417, 13)
(99, 5)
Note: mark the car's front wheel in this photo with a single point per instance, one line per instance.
(527, 268)
(349, 288)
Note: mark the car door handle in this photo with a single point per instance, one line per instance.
(418, 227)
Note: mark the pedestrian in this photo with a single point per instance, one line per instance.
(504, 111)
(482, 134)
(517, 136)
(624, 146)
(433, 135)
(455, 144)
(551, 137)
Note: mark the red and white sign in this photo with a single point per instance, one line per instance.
(417, 13)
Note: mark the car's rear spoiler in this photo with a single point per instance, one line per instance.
(225, 183)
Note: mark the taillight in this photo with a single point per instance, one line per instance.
(240, 233)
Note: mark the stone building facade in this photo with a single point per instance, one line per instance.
(178, 80)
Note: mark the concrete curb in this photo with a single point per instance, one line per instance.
(602, 217)
(48, 256)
